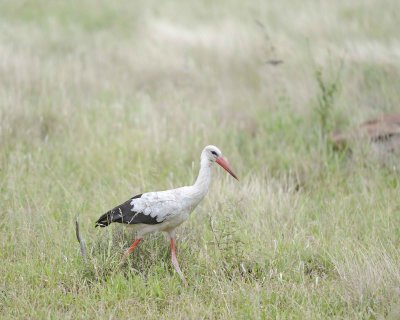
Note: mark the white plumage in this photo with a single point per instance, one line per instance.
(166, 210)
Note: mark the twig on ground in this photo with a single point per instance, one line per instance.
(80, 239)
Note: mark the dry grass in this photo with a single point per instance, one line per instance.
(103, 100)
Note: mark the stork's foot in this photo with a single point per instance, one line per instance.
(176, 264)
(178, 270)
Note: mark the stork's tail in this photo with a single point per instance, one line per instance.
(104, 220)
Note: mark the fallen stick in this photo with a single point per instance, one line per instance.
(80, 239)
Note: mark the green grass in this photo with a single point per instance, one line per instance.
(103, 100)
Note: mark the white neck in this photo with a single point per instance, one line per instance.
(204, 178)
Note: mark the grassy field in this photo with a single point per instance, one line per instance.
(102, 100)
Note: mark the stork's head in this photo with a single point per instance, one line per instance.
(215, 155)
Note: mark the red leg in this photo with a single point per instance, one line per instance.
(175, 261)
(133, 246)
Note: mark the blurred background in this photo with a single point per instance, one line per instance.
(159, 77)
(101, 100)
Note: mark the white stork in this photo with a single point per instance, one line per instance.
(166, 210)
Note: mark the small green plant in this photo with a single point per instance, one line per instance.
(328, 91)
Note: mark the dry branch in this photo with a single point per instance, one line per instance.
(80, 239)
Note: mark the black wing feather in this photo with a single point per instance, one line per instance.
(124, 214)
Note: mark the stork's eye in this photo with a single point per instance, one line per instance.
(214, 153)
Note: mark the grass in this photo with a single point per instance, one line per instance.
(103, 100)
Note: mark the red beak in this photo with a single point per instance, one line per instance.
(225, 164)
